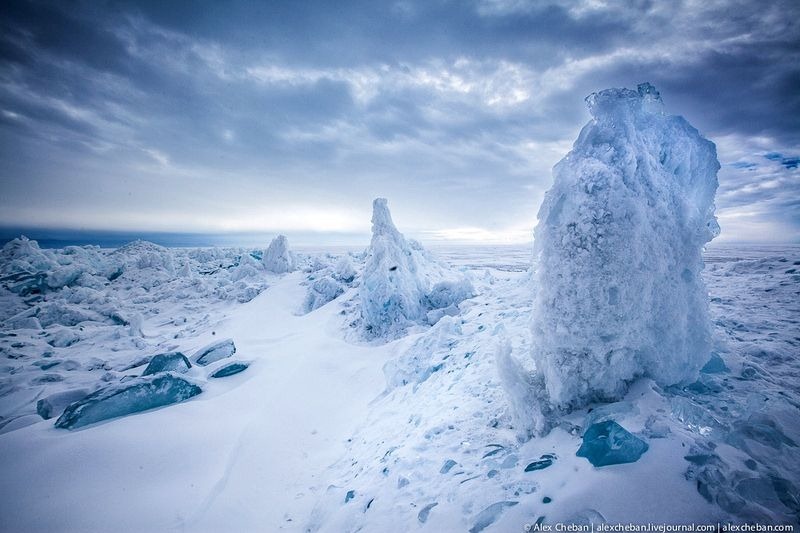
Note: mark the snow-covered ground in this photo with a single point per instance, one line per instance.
(326, 432)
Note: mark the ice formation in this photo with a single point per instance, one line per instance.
(167, 362)
(214, 352)
(395, 291)
(322, 291)
(133, 396)
(617, 253)
(278, 258)
(26, 269)
(607, 443)
(229, 369)
(328, 280)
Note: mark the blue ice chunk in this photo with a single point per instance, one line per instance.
(119, 399)
(715, 365)
(215, 352)
(489, 516)
(167, 362)
(493, 452)
(349, 496)
(540, 464)
(447, 466)
(423, 514)
(57, 402)
(229, 370)
(608, 443)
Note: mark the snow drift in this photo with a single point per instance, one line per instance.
(617, 253)
(402, 285)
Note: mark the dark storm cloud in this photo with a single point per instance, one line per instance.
(243, 113)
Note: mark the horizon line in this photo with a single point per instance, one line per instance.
(49, 237)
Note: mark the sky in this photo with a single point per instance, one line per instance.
(264, 117)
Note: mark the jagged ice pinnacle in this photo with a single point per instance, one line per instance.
(617, 253)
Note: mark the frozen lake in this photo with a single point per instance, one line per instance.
(341, 435)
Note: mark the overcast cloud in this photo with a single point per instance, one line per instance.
(292, 116)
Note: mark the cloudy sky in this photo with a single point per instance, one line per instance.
(291, 116)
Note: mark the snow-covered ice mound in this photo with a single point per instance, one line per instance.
(402, 285)
(278, 258)
(618, 253)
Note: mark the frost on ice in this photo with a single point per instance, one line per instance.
(278, 258)
(402, 285)
(618, 253)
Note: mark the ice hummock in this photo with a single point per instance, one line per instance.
(396, 288)
(132, 396)
(321, 291)
(278, 258)
(26, 269)
(617, 253)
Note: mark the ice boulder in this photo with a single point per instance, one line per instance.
(132, 396)
(395, 291)
(608, 443)
(617, 253)
(278, 258)
(214, 352)
(167, 362)
(229, 369)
